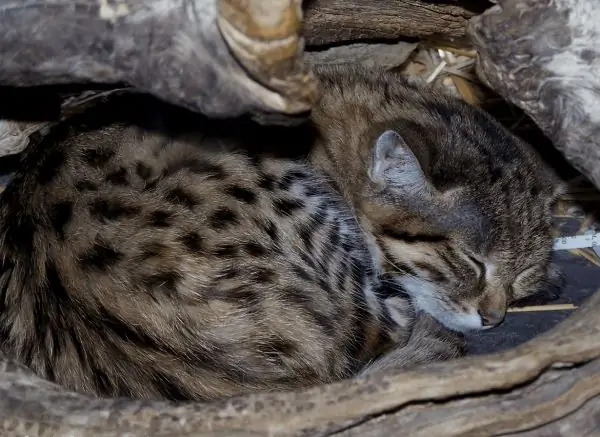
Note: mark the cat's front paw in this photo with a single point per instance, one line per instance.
(441, 343)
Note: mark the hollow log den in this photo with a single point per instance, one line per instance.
(531, 64)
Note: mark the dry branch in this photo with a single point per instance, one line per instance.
(336, 21)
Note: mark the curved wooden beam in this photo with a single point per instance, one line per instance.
(335, 21)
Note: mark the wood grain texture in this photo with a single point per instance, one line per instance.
(547, 65)
(174, 49)
(336, 21)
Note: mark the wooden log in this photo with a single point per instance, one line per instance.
(544, 56)
(336, 21)
(220, 57)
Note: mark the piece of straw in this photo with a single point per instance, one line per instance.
(535, 308)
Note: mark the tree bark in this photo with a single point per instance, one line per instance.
(220, 57)
(335, 21)
(544, 56)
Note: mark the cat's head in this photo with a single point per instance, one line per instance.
(469, 233)
(460, 206)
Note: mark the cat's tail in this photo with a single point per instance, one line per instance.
(429, 341)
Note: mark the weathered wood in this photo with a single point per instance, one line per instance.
(544, 56)
(185, 51)
(335, 21)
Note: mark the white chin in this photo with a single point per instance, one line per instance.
(423, 297)
(461, 322)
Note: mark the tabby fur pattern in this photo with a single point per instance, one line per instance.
(148, 252)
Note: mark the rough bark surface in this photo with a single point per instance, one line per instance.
(335, 21)
(194, 53)
(548, 65)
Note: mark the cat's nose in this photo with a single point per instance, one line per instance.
(491, 318)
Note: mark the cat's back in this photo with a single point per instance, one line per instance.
(145, 263)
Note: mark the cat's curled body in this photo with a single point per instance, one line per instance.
(149, 252)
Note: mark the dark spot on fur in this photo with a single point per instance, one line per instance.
(225, 250)
(245, 294)
(111, 327)
(264, 275)
(50, 167)
(253, 248)
(104, 209)
(118, 177)
(242, 194)
(97, 157)
(166, 281)
(325, 323)
(193, 242)
(229, 273)
(433, 273)
(324, 285)
(334, 236)
(160, 219)
(306, 259)
(103, 382)
(313, 191)
(100, 256)
(306, 232)
(412, 238)
(222, 218)
(86, 185)
(56, 289)
(151, 185)
(298, 296)
(170, 387)
(143, 171)
(60, 215)
(301, 273)
(281, 347)
(287, 206)
(266, 182)
(290, 177)
(271, 230)
(182, 197)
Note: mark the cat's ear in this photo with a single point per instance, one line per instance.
(396, 166)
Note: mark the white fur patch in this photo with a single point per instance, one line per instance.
(424, 295)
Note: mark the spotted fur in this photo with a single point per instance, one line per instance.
(148, 252)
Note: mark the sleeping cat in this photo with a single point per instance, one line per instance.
(149, 252)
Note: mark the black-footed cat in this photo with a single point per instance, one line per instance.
(149, 252)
